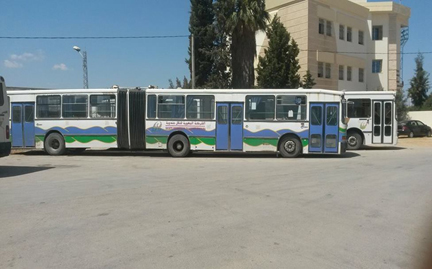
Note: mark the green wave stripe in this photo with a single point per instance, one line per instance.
(156, 139)
(90, 138)
(342, 130)
(195, 140)
(256, 142)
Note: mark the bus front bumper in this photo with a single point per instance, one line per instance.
(5, 149)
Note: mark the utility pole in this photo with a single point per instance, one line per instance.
(193, 60)
(85, 71)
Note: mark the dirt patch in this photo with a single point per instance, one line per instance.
(416, 142)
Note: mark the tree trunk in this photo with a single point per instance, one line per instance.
(243, 51)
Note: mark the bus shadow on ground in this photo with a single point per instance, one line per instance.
(202, 154)
(14, 171)
(369, 148)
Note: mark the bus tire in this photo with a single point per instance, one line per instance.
(55, 144)
(290, 147)
(354, 141)
(178, 146)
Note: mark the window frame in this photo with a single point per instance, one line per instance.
(148, 107)
(63, 110)
(60, 105)
(171, 118)
(321, 27)
(374, 71)
(328, 71)
(247, 112)
(321, 70)
(329, 28)
(341, 72)
(213, 110)
(380, 29)
(351, 103)
(341, 32)
(349, 34)
(102, 94)
(361, 37)
(349, 73)
(305, 105)
(361, 75)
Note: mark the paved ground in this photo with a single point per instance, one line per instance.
(369, 209)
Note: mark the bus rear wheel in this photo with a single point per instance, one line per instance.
(178, 146)
(55, 144)
(290, 147)
(355, 141)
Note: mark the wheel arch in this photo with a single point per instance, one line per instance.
(178, 133)
(52, 132)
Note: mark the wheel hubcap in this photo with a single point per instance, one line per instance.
(178, 146)
(55, 144)
(352, 141)
(290, 146)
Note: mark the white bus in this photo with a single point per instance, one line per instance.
(372, 119)
(5, 144)
(291, 122)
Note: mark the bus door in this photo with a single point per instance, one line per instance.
(324, 128)
(23, 127)
(229, 126)
(383, 122)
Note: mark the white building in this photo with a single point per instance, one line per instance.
(346, 44)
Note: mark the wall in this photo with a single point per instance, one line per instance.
(424, 116)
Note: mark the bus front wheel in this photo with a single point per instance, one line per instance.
(55, 144)
(178, 146)
(355, 141)
(290, 147)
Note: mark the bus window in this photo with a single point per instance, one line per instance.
(291, 107)
(75, 106)
(316, 115)
(151, 107)
(16, 114)
(332, 116)
(260, 107)
(171, 107)
(2, 94)
(48, 106)
(29, 113)
(359, 108)
(102, 106)
(200, 107)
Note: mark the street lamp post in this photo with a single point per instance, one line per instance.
(85, 72)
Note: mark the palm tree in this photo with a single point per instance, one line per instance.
(243, 19)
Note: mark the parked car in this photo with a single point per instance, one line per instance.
(413, 128)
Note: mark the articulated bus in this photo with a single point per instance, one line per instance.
(5, 145)
(372, 119)
(291, 122)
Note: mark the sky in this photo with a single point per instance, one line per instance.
(124, 62)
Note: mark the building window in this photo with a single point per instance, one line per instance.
(320, 69)
(328, 70)
(75, 106)
(329, 28)
(349, 34)
(377, 33)
(260, 107)
(171, 107)
(102, 106)
(321, 27)
(200, 107)
(341, 32)
(359, 108)
(341, 72)
(349, 73)
(361, 75)
(361, 37)
(376, 66)
(48, 106)
(291, 108)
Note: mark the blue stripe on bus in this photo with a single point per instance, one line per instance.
(79, 131)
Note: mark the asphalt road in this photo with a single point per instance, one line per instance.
(369, 209)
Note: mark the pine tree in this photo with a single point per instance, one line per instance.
(419, 83)
(186, 84)
(428, 103)
(178, 83)
(308, 81)
(278, 69)
(401, 108)
(201, 26)
(171, 84)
